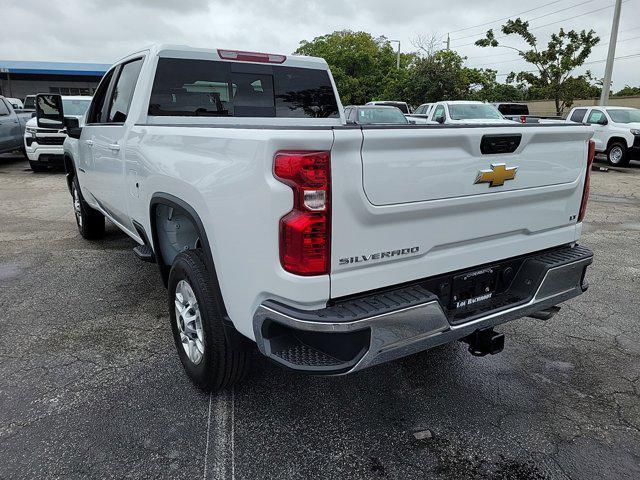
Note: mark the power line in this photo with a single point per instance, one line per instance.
(505, 18)
(552, 23)
(599, 45)
(520, 58)
(535, 18)
(623, 57)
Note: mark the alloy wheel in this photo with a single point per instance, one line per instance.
(189, 322)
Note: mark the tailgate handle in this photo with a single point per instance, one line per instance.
(501, 143)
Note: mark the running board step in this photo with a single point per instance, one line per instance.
(145, 253)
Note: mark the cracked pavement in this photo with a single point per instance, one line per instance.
(90, 385)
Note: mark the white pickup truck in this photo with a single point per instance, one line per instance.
(333, 247)
(616, 131)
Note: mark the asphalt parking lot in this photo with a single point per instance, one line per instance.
(90, 385)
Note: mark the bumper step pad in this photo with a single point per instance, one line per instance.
(376, 327)
(358, 308)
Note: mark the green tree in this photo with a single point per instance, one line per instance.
(627, 91)
(493, 91)
(564, 53)
(435, 77)
(358, 61)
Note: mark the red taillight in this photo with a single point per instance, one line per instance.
(305, 232)
(251, 56)
(585, 193)
(523, 119)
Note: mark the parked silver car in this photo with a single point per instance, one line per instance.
(12, 125)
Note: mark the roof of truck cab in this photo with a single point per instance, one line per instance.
(463, 102)
(184, 51)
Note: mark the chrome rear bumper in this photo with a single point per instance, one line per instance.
(385, 326)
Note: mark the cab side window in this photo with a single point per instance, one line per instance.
(578, 115)
(97, 110)
(596, 116)
(3, 109)
(439, 112)
(123, 91)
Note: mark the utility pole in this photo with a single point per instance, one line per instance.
(398, 59)
(606, 85)
(448, 42)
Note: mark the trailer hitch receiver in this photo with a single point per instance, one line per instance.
(485, 341)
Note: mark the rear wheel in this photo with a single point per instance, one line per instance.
(90, 221)
(210, 360)
(617, 154)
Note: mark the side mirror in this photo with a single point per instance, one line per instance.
(412, 122)
(49, 111)
(73, 127)
(440, 119)
(603, 121)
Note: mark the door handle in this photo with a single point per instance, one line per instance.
(114, 147)
(89, 143)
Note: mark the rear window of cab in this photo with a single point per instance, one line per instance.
(209, 88)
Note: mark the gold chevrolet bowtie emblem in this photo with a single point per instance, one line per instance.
(497, 175)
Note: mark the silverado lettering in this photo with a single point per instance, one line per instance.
(378, 256)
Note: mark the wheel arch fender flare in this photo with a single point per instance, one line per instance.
(616, 139)
(166, 199)
(69, 168)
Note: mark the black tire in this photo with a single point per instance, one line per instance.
(90, 221)
(223, 363)
(37, 167)
(617, 154)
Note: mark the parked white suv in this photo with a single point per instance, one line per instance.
(42, 145)
(616, 131)
(330, 246)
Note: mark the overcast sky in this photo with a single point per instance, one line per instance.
(105, 30)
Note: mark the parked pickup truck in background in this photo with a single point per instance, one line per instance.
(332, 247)
(519, 112)
(616, 131)
(403, 106)
(421, 113)
(43, 146)
(12, 125)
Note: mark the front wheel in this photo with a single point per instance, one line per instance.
(617, 154)
(208, 357)
(90, 221)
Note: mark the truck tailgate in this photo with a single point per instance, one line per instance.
(408, 206)
(400, 166)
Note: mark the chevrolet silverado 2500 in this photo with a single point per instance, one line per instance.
(44, 146)
(331, 246)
